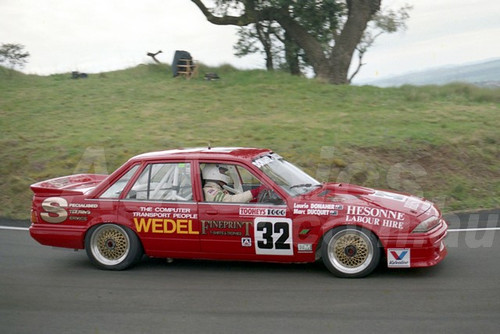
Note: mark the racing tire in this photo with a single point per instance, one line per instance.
(113, 247)
(350, 252)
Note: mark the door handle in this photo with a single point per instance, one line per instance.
(212, 212)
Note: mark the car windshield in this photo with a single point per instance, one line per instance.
(290, 178)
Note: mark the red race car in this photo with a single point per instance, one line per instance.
(233, 204)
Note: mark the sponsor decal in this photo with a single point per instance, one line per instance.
(164, 212)
(54, 210)
(393, 196)
(375, 216)
(246, 211)
(80, 212)
(246, 242)
(78, 218)
(84, 205)
(262, 161)
(305, 248)
(412, 203)
(57, 209)
(165, 226)
(398, 257)
(226, 228)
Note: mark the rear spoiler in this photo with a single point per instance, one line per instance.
(67, 185)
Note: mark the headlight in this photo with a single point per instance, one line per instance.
(426, 225)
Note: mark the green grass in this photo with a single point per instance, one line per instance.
(439, 142)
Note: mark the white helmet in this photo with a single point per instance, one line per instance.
(216, 173)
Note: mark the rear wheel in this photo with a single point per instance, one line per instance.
(112, 247)
(352, 252)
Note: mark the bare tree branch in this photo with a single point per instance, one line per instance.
(153, 55)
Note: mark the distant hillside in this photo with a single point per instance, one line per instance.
(441, 142)
(486, 74)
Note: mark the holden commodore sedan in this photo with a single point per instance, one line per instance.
(239, 204)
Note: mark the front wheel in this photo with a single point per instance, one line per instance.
(350, 252)
(112, 247)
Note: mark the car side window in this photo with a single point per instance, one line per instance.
(248, 180)
(239, 180)
(116, 188)
(163, 182)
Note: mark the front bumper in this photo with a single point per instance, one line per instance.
(424, 249)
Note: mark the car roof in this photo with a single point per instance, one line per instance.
(244, 153)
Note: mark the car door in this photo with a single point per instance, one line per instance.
(244, 230)
(161, 209)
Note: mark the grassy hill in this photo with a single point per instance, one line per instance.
(438, 142)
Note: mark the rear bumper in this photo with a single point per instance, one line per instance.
(424, 249)
(58, 235)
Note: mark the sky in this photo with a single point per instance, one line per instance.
(103, 35)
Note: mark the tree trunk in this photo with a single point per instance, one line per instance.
(360, 13)
(292, 56)
(265, 40)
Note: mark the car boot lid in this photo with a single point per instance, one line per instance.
(68, 185)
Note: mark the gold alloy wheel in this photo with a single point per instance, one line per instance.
(110, 244)
(350, 251)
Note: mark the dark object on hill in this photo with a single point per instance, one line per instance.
(212, 76)
(182, 63)
(78, 75)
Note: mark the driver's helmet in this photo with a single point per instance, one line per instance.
(216, 172)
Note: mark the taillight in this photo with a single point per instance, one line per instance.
(34, 218)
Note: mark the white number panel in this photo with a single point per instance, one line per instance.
(273, 236)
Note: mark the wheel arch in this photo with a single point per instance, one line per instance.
(98, 223)
(333, 224)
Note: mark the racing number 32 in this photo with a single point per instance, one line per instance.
(273, 236)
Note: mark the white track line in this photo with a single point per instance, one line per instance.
(449, 230)
(474, 229)
(14, 228)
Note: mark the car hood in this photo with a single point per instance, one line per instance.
(349, 194)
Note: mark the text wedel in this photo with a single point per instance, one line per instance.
(167, 226)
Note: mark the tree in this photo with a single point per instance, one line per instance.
(13, 55)
(262, 32)
(288, 55)
(327, 31)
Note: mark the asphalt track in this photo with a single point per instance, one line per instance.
(48, 290)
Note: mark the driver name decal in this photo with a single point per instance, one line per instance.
(317, 209)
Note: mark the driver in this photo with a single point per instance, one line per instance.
(215, 178)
